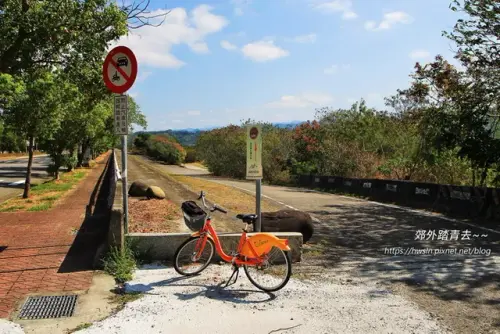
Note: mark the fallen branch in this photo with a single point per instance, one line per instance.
(283, 329)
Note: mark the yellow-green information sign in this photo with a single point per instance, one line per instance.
(254, 152)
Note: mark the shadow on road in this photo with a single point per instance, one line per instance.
(350, 232)
(217, 291)
(93, 230)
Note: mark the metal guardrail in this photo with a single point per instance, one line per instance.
(463, 201)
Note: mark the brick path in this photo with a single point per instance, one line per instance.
(35, 246)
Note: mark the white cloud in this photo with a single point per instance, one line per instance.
(333, 69)
(349, 15)
(142, 76)
(309, 38)
(263, 51)
(389, 20)
(227, 45)
(337, 6)
(177, 121)
(193, 112)
(153, 45)
(419, 54)
(301, 101)
(133, 95)
(240, 6)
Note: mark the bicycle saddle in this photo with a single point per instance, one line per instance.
(247, 218)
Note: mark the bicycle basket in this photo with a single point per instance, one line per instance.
(194, 216)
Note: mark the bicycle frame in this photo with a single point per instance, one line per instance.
(208, 231)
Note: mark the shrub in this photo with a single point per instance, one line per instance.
(190, 155)
(69, 161)
(161, 148)
(120, 263)
(223, 151)
(52, 169)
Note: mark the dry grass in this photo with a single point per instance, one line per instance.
(45, 195)
(228, 197)
(6, 156)
(154, 216)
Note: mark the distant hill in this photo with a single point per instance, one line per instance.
(188, 137)
(288, 125)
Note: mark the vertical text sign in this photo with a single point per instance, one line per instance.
(254, 152)
(121, 115)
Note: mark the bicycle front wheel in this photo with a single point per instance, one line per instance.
(274, 272)
(189, 260)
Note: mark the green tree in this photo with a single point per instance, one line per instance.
(478, 40)
(46, 32)
(140, 141)
(223, 151)
(456, 113)
(37, 112)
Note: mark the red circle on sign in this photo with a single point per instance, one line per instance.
(109, 61)
(254, 133)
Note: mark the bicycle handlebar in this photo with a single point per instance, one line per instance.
(212, 209)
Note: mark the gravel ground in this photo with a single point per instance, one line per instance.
(7, 327)
(175, 304)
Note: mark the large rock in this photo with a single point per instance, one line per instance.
(288, 221)
(138, 189)
(155, 192)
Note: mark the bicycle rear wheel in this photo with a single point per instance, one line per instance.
(185, 262)
(274, 273)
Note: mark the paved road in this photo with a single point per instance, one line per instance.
(13, 174)
(358, 237)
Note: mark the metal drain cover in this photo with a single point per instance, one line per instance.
(46, 307)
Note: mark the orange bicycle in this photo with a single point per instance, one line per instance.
(263, 256)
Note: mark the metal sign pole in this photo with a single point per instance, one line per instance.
(121, 128)
(124, 183)
(119, 74)
(258, 195)
(254, 167)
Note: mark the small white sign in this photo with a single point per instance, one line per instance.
(121, 114)
(254, 152)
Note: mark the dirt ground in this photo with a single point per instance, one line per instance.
(141, 168)
(154, 216)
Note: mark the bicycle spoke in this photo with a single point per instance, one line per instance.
(273, 273)
(190, 259)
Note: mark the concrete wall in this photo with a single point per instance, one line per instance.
(116, 234)
(162, 246)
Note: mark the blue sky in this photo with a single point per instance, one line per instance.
(216, 62)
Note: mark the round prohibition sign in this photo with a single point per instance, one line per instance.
(254, 132)
(120, 69)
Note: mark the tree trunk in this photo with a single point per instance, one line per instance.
(484, 174)
(81, 156)
(27, 183)
(57, 164)
(473, 176)
(72, 151)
